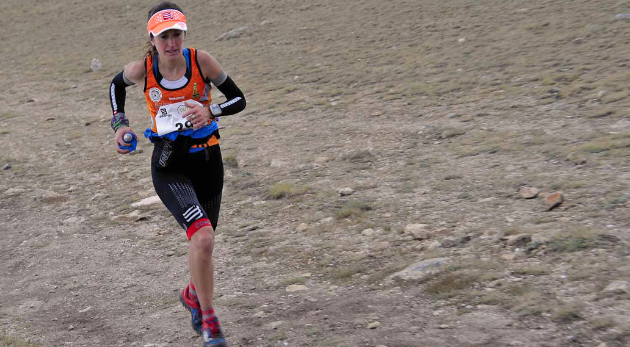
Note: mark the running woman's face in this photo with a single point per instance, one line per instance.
(169, 43)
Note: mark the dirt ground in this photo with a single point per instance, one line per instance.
(379, 137)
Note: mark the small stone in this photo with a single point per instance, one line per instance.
(296, 288)
(617, 287)
(418, 231)
(434, 245)
(374, 325)
(622, 16)
(345, 191)
(519, 240)
(96, 64)
(302, 227)
(277, 163)
(275, 325)
(368, 232)
(421, 269)
(148, 201)
(326, 220)
(448, 242)
(71, 327)
(6, 167)
(259, 314)
(554, 200)
(444, 326)
(529, 192)
(232, 34)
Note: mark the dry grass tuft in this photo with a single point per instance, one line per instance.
(567, 313)
(51, 200)
(10, 341)
(353, 208)
(286, 189)
(578, 239)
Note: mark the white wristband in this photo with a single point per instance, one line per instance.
(215, 110)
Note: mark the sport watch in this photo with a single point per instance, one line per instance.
(215, 110)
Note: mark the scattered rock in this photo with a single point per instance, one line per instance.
(275, 325)
(6, 167)
(85, 309)
(96, 65)
(529, 192)
(421, 269)
(76, 221)
(519, 240)
(71, 327)
(259, 314)
(444, 326)
(302, 227)
(296, 288)
(233, 34)
(418, 231)
(622, 16)
(576, 159)
(434, 245)
(345, 191)
(617, 287)
(374, 325)
(368, 232)
(252, 228)
(277, 163)
(14, 191)
(327, 220)
(148, 201)
(554, 200)
(448, 242)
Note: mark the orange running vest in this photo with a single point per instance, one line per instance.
(196, 89)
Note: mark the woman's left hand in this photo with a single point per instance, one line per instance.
(197, 114)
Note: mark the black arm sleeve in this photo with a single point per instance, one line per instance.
(235, 100)
(117, 93)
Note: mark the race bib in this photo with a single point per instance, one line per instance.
(169, 118)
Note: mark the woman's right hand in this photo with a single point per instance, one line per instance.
(118, 139)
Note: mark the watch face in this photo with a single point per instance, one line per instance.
(215, 110)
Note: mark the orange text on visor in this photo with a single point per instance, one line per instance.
(166, 20)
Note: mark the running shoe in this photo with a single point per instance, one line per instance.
(211, 339)
(194, 308)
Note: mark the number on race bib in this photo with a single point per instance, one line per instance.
(170, 118)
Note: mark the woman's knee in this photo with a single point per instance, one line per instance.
(203, 240)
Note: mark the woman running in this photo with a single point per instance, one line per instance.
(186, 164)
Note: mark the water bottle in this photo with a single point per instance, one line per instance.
(130, 140)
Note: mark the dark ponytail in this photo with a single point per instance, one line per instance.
(164, 5)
